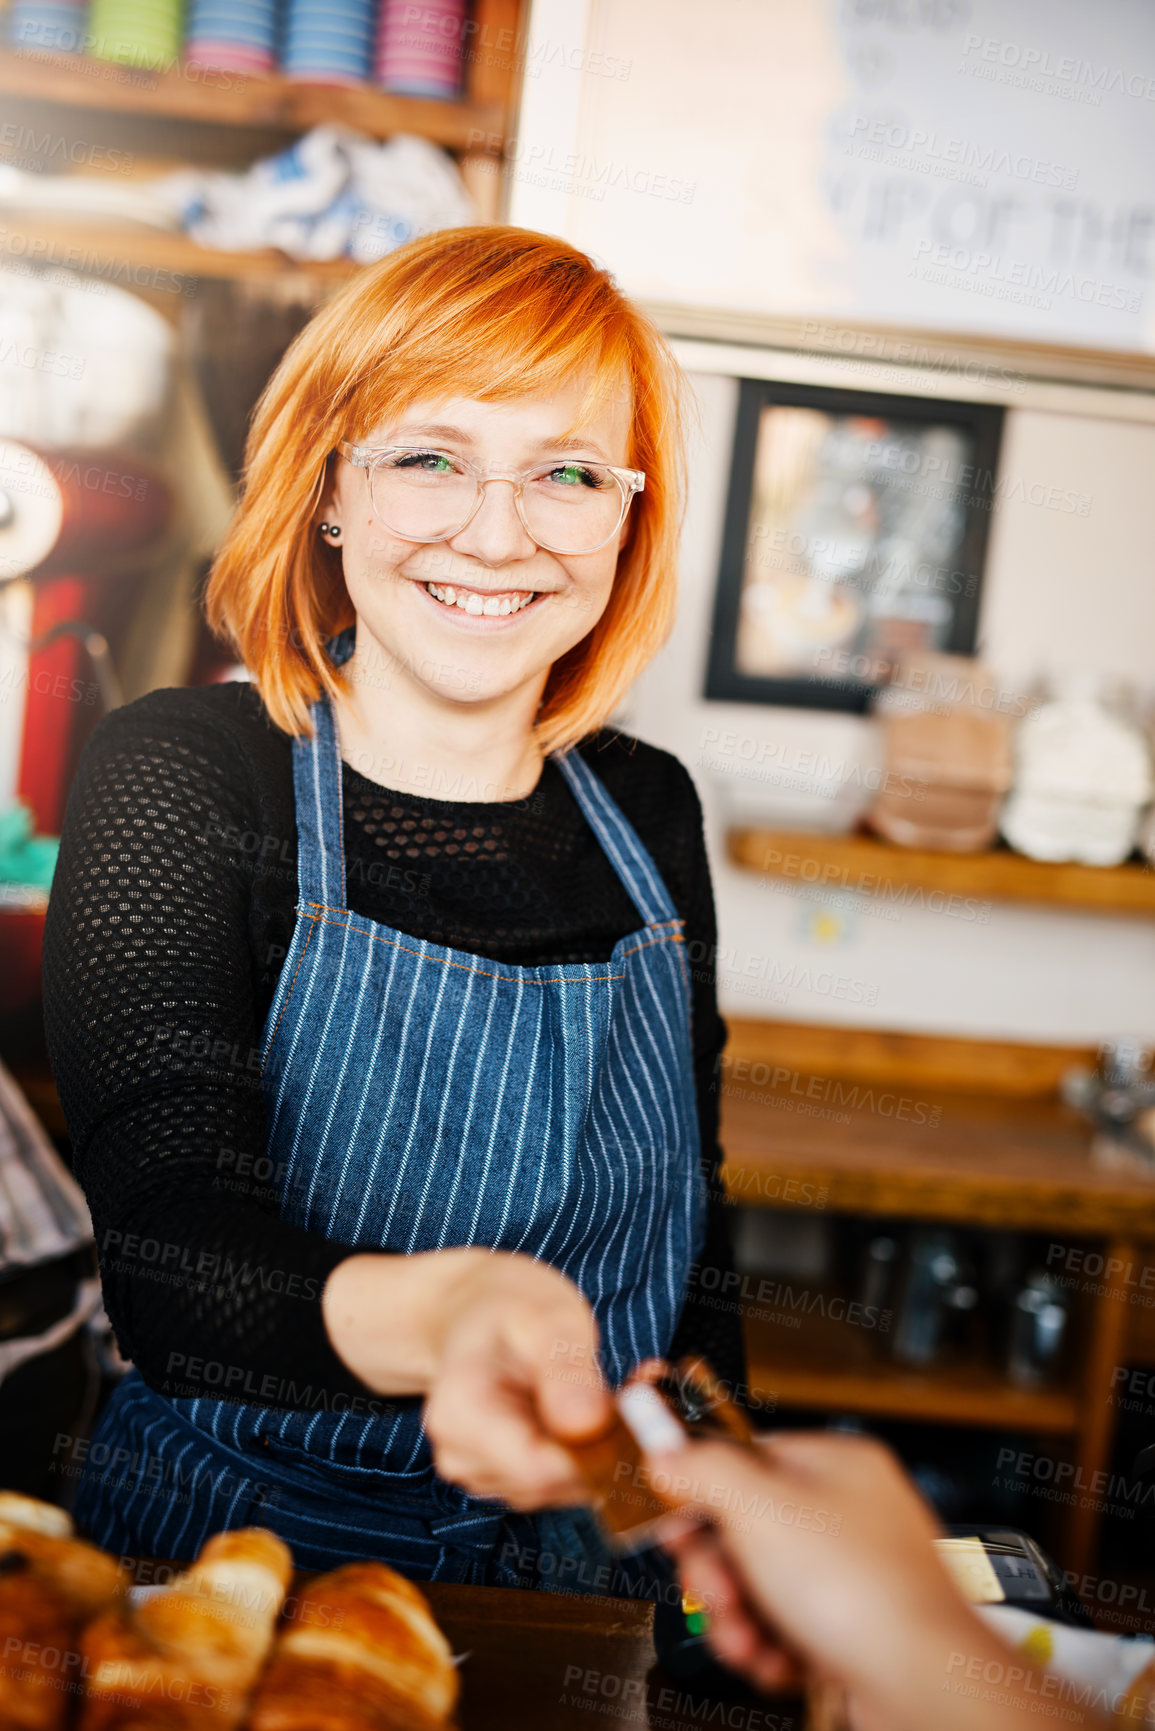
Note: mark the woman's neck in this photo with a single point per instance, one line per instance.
(397, 731)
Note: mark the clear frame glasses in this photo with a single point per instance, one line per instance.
(423, 494)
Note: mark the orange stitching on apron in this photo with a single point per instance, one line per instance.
(285, 1005)
(674, 938)
(343, 925)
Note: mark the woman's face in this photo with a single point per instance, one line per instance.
(461, 655)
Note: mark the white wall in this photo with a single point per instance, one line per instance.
(1059, 589)
(973, 165)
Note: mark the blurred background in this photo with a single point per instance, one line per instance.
(905, 251)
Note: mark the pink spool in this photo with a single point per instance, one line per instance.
(228, 57)
(420, 47)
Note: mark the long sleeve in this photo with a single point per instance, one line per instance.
(154, 1042)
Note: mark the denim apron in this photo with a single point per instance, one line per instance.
(421, 1097)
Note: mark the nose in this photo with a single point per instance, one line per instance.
(496, 536)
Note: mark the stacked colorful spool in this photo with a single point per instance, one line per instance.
(53, 26)
(236, 35)
(419, 47)
(329, 41)
(136, 32)
(404, 47)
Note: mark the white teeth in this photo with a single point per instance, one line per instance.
(471, 602)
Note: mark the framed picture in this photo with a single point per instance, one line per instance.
(856, 530)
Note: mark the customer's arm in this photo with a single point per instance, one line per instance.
(824, 1549)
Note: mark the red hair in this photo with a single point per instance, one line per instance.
(492, 313)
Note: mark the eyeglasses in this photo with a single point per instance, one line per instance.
(427, 495)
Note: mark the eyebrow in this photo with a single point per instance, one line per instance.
(435, 430)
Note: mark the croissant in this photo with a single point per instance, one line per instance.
(38, 1664)
(87, 1579)
(189, 1656)
(365, 1656)
(50, 1583)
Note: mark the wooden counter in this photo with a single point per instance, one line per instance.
(552, 1662)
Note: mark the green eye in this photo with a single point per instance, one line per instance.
(570, 474)
(428, 462)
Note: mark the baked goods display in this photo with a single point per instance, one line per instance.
(197, 1646)
(370, 1655)
(217, 1648)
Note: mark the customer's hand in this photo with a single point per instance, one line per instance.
(818, 1539)
(503, 1347)
(823, 1548)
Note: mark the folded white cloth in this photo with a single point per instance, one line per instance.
(333, 193)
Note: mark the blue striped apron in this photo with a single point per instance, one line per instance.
(421, 1097)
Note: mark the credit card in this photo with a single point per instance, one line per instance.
(612, 1465)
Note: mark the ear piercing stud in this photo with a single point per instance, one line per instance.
(333, 530)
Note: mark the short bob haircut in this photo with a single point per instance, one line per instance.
(492, 313)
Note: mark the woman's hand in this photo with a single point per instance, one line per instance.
(504, 1349)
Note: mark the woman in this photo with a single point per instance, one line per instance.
(366, 989)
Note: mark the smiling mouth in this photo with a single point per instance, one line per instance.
(496, 603)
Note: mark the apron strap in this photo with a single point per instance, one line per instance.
(321, 841)
(623, 846)
(317, 787)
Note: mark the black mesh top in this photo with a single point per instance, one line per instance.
(170, 914)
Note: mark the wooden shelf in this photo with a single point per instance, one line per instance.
(1001, 1162)
(869, 866)
(891, 1057)
(121, 251)
(833, 1367)
(230, 98)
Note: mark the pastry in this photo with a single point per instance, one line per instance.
(50, 1583)
(190, 1655)
(39, 1661)
(371, 1658)
(87, 1579)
